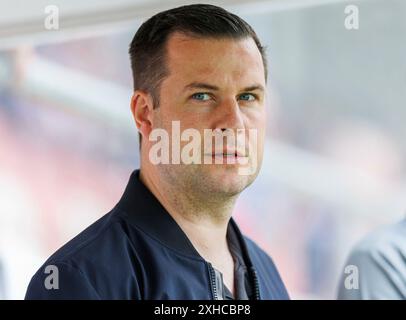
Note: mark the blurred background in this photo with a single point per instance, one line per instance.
(334, 167)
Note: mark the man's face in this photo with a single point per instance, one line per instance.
(213, 84)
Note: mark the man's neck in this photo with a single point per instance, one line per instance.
(203, 218)
(204, 221)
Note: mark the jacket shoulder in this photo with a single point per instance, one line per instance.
(89, 265)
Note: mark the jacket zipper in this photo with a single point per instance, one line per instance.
(213, 282)
(257, 295)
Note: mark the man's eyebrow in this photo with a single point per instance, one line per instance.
(254, 87)
(202, 85)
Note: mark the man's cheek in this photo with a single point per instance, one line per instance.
(253, 149)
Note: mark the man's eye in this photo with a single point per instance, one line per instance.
(201, 96)
(247, 97)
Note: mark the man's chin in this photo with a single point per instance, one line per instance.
(226, 178)
(221, 179)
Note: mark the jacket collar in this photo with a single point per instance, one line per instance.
(146, 212)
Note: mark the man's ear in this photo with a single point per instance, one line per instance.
(141, 108)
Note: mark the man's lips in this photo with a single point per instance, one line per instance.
(237, 154)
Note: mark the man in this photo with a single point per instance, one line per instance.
(171, 236)
(376, 267)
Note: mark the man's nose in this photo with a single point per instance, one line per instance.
(228, 115)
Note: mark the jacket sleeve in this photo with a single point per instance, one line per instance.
(60, 281)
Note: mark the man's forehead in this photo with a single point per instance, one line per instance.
(180, 44)
(188, 56)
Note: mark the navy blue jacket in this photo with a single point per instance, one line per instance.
(138, 251)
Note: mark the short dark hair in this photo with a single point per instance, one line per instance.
(148, 47)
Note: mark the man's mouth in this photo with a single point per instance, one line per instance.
(227, 154)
